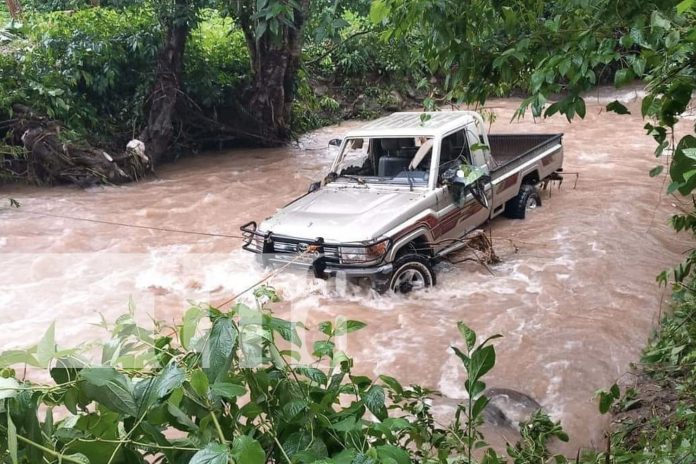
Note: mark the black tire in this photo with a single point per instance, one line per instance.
(411, 272)
(528, 198)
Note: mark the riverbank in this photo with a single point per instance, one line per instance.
(654, 421)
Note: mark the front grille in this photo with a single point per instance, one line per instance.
(280, 246)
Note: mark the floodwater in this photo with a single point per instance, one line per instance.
(574, 297)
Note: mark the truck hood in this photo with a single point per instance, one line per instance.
(344, 214)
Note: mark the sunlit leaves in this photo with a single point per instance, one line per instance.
(248, 451)
(374, 400)
(213, 453)
(217, 353)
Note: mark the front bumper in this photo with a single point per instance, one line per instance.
(321, 258)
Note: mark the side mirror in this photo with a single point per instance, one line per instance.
(313, 187)
(468, 179)
(335, 142)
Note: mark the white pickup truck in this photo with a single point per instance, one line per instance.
(404, 191)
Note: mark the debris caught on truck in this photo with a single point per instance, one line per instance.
(403, 192)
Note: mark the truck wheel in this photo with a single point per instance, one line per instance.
(527, 199)
(412, 272)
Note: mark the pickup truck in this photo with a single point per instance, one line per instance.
(403, 192)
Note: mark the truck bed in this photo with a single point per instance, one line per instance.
(511, 150)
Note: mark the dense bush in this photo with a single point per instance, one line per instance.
(90, 69)
(230, 386)
(217, 61)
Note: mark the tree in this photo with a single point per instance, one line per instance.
(274, 33)
(177, 17)
(15, 8)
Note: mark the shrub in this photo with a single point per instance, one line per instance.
(217, 60)
(233, 389)
(90, 69)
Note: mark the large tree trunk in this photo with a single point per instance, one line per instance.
(15, 8)
(159, 133)
(275, 60)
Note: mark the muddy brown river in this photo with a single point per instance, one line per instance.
(575, 303)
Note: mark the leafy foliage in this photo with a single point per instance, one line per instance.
(72, 67)
(234, 395)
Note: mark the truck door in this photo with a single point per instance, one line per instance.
(458, 216)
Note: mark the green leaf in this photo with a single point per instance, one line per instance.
(292, 408)
(657, 20)
(617, 107)
(213, 453)
(392, 453)
(605, 402)
(672, 39)
(374, 400)
(615, 392)
(199, 383)
(684, 6)
(656, 171)
(13, 357)
(313, 374)
(349, 424)
(379, 11)
(12, 439)
(228, 390)
(190, 323)
(326, 328)
(623, 77)
(260, 29)
(580, 108)
(647, 107)
(287, 330)
(168, 379)
(482, 361)
(47, 346)
(479, 405)
(323, 348)
(248, 451)
(468, 335)
(218, 350)
(344, 326)
(673, 187)
(110, 388)
(392, 383)
(639, 66)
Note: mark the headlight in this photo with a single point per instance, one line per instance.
(364, 255)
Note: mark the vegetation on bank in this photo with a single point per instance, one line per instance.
(87, 75)
(230, 385)
(654, 418)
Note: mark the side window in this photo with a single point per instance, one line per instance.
(454, 151)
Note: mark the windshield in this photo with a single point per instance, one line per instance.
(386, 160)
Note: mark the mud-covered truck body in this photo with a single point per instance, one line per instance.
(404, 191)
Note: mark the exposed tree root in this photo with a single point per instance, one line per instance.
(477, 248)
(50, 160)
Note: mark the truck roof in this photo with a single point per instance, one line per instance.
(411, 124)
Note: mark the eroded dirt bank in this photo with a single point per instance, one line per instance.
(575, 303)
